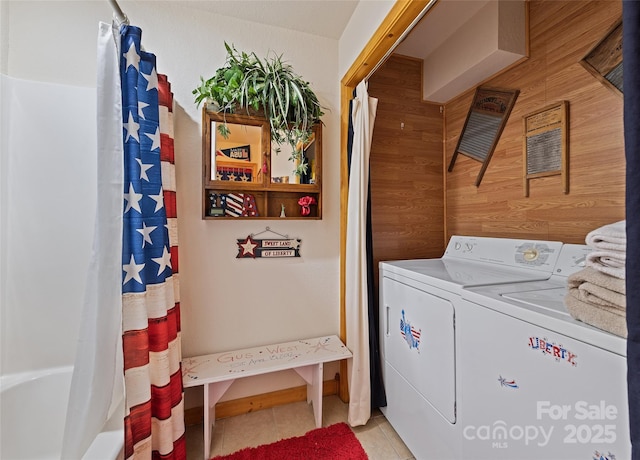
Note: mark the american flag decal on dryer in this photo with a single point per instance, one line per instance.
(409, 333)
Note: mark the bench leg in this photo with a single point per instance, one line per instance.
(312, 374)
(212, 394)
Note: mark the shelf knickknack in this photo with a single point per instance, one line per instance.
(269, 87)
(485, 121)
(546, 144)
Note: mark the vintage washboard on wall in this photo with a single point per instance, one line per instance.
(604, 61)
(546, 144)
(485, 121)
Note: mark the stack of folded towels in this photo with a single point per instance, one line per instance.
(596, 294)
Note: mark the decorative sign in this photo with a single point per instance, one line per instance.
(546, 144)
(485, 121)
(268, 248)
(604, 61)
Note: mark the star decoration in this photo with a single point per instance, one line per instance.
(141, 107)
(218, 175)
(231, 177)
(132, 57)
(159, 199)
(133, 199)
(146, 233)
(133, 271)
(164, 261)
(320, 346)
(248, 247)
(132, 128)
(143, 169)
(152, 79)
(244, 178)
(155, 138)
(189, 368)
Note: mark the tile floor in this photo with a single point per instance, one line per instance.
(377, 437)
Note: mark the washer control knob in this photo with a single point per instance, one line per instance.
(469, 246)
(531, 254)
(457, 246)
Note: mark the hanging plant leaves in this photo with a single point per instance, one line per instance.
(271, 85)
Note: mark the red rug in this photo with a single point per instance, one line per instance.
(335, 442)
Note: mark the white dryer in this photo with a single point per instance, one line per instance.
(538, 384)
(419, 302)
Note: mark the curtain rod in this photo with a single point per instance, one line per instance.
(399, 40)
(117, 13)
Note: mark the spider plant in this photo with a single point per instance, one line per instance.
(271, 85)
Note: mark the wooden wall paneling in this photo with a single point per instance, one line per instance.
(406, 164)
(561, 32)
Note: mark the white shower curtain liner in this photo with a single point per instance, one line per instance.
(97, 385)
(357, 302)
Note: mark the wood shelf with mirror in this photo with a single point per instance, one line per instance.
(245, 176)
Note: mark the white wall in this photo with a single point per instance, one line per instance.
(48, 207)
(4, 36)
(4, 157)
(47, 177)
(226, 302)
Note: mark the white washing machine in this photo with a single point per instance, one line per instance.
(537, 384)
(419, 301)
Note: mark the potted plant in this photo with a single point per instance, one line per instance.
(269, 85)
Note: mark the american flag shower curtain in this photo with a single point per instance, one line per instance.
(154, 412)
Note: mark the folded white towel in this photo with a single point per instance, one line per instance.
(609, 237)
(610, 249)
(609, 262)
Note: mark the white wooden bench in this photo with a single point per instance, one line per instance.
(216, 372)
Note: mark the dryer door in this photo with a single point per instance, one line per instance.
(418, 341)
